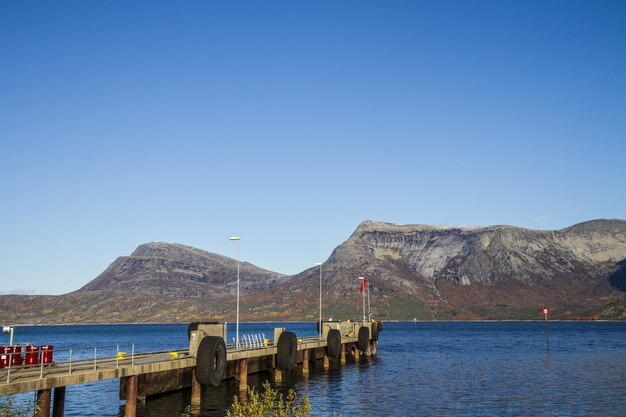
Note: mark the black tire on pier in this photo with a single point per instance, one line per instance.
(287, 351)
(333, 344)
(379, 326)
(374, 327)
(364, 338)
(211, 361)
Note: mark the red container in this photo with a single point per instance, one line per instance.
(46, 353)
(4, 356)
(16, 359)
(32, 355)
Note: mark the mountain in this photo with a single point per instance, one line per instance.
(496, 272)
(414, 271)
(182, 271)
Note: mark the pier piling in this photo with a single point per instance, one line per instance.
(43, 402)
(305, 362)
(58, 405)
(196, 390)
(130, 409)
(343, 354)
(243, 374)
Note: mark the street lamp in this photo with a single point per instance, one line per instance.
(237, 238)
(364, 284)
(8, 329)
(320, 265)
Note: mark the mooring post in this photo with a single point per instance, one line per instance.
(43, 402)
(357, 353)
(243, 374)
(368, 352)
(374, 349)
(58, 405)
(343, 354)
(130, 409)
(305, 362)
(326, 360)
(196, 390)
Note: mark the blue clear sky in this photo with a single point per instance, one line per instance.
(289, 123)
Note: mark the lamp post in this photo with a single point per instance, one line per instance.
(320, 265)
(237, 238)
(8, 329)
(365, 281)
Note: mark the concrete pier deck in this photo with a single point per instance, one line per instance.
(40, 377)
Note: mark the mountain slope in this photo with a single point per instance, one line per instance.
(178, 270)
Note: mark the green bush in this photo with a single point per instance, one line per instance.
(270, 403)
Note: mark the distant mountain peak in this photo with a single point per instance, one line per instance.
(180, 270)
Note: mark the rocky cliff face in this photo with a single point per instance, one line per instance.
(480, 272)
(182, 271)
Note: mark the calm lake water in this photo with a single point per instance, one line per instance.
(422, 369)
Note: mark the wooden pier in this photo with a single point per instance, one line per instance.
(208, 361)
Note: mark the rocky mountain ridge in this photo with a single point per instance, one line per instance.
(414, 271)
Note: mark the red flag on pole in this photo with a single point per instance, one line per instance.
(363, 284)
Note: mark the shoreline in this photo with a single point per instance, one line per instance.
(313, 322)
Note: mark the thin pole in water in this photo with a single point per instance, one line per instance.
(545, 315)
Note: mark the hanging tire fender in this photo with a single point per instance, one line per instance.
(363, 340)
(211, 361)
(374, 328)
(333, 344)
(287, 351)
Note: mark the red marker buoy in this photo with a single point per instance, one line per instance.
(544, 311)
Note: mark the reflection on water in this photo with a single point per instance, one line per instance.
(423, 369)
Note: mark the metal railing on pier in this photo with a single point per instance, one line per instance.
(70, 360)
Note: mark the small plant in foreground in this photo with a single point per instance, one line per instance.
(270, 403)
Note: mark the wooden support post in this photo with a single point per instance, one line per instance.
(368, 352)
(278, 375)
(305, 362)
(196, 390)
(243, 374)
(43, 402)
(269, 365)
(58, 405)
(343, 354)
(142, 388)
(326, 360)
(374, 350)
(357, 353)
(130, 410)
